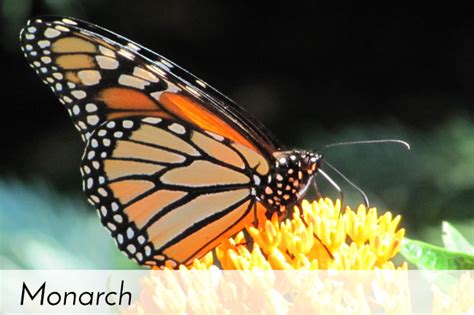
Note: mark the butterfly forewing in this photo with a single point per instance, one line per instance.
(99, 75)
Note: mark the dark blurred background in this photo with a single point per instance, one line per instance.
(314, 73)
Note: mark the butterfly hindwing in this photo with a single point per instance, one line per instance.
(167, 191)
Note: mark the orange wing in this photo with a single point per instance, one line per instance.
(168, 192)
(100, 76)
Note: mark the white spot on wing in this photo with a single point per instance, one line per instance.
(103, 210)
(111, 124)
(256, 180)
(90, 107)
(126, 54)
(51, 33)
(83, 126)
(133, 46)
(107, 63)
(167, 63)
(102, 192)
(79, 94)
(151, 120)
(89, 77)
(92, 120)
(177, 128)
(127, 124)
(107, 52)
(201, 83)
(131, 249)
(62, 28)
(68, 21)
(46, 59)
(215, 136)
(58, 75)
(131, 81)
(118, 218)
(156, 70)
(192, 90)
(76, 110)
(144, 74)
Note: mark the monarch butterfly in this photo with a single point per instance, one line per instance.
(171, 165)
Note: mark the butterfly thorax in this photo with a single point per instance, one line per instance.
(289, 177)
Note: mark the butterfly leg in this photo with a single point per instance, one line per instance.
(333, 184)
(316, 189)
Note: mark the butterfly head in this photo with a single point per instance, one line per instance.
(291, 174)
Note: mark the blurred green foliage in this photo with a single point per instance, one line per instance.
(39, 229)
(427, 256)
(453, 240)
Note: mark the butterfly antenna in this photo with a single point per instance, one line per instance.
(397, 141)
(366, 200)
(333, 183)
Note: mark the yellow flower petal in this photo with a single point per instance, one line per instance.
(317, 236)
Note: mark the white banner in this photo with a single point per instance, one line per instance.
(236, 292)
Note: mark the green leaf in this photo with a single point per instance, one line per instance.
(427, 256)
(453, 240)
